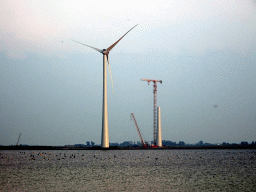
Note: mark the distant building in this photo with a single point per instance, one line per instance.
(113, 144)
(126, 143)
(224, 143)
(244, 143)
(168, 143)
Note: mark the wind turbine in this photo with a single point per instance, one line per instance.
(105, 52)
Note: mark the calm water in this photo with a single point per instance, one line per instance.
(143, 170)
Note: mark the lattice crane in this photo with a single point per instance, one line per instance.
(137, 127)
(18, 140)
(154, 106)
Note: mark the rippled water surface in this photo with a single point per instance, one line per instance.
(128, 170)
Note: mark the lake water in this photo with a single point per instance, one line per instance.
(128, 170)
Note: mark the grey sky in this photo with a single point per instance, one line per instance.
(51, 87)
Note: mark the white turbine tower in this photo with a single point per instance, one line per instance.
(105, 52)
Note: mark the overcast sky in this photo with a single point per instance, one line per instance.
(51, 87)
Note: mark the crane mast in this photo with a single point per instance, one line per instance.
(18, 140)
(137, 127)
(154, 106)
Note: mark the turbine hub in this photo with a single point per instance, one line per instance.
(105, 52)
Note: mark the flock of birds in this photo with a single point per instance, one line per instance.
(32, 156)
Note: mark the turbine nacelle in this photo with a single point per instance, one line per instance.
(105, 52)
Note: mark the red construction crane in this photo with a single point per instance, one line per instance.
(154, 106)
(136, 125)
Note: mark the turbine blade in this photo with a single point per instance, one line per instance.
(110, 74)
(99, 50)
(112, 46)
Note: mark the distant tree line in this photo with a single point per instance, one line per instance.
(166, 143)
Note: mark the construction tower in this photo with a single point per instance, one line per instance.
(154, 106)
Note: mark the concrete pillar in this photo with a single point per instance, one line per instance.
(159, 128)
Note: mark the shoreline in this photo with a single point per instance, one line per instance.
(125, 148)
